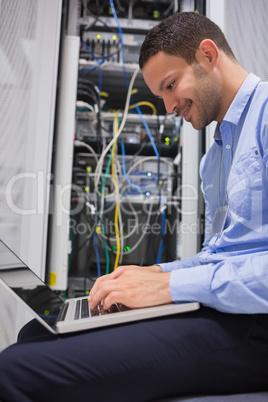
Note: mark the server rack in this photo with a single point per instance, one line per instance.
(128, 196)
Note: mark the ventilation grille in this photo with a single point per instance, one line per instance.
(246, 29)
(17, 49)
(17, 41)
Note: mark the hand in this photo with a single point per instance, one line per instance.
(132, 286)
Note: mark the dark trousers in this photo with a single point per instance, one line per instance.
(201, 352)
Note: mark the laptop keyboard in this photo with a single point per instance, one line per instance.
(83, 311)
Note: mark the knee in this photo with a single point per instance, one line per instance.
(8, 365)
(17, 373)
(31, 329)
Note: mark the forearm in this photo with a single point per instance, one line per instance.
(180, 264)
(234, 285)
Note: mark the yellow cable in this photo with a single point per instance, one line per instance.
(117, 196)
(105, 94)
(144, 103)
(122, 125)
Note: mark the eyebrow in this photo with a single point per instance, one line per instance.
(162, 83)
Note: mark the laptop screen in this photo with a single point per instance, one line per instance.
(28, 286)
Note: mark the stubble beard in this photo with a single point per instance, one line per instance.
(208, 99)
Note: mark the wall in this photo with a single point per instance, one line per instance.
(29, 47)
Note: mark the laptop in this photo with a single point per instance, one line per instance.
(72, 315)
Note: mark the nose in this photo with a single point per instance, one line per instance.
(171, 104)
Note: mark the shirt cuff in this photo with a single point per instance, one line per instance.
(192, 284)
(170, 266)
(184, 263)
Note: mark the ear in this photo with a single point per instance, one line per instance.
(207, 53)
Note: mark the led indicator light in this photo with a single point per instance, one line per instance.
(114, 37)
(127, 248)
(46, 312)
(98, 36)
(167, 140)
(147, 193)
(86, 189)
(88, 169)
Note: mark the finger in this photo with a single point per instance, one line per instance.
(98, 284)
(107, 291)
(100, 293)
(112, 298)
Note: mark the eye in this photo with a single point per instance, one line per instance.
(170, 86)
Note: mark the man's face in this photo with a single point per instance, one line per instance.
(188, 90)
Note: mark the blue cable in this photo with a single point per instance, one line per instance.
(97, 253)
(121, 40)
(162, 235)
(125, 172)
(127, 81)
(87, 70)
(148, 131)
(98, 62)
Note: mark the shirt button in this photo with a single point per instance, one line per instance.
(228, 146)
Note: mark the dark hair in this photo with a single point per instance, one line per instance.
(180, 35)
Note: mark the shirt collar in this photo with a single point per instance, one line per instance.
(238, 104)
(217, 134)
(241, 99)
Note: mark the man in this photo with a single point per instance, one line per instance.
(223, 347)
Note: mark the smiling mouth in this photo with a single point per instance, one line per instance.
(187, 110)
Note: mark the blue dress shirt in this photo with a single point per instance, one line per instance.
(230, 273)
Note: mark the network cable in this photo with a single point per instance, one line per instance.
(144, 103)
(116, 217)
(121, 181)
(127, 82)
(122, 124)
(101, 214)
(97, 253)
(162, 237)
(78, 143)
(125, 173)
(97, 61)
(133, 214)
(132, 248)
(121, 40)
